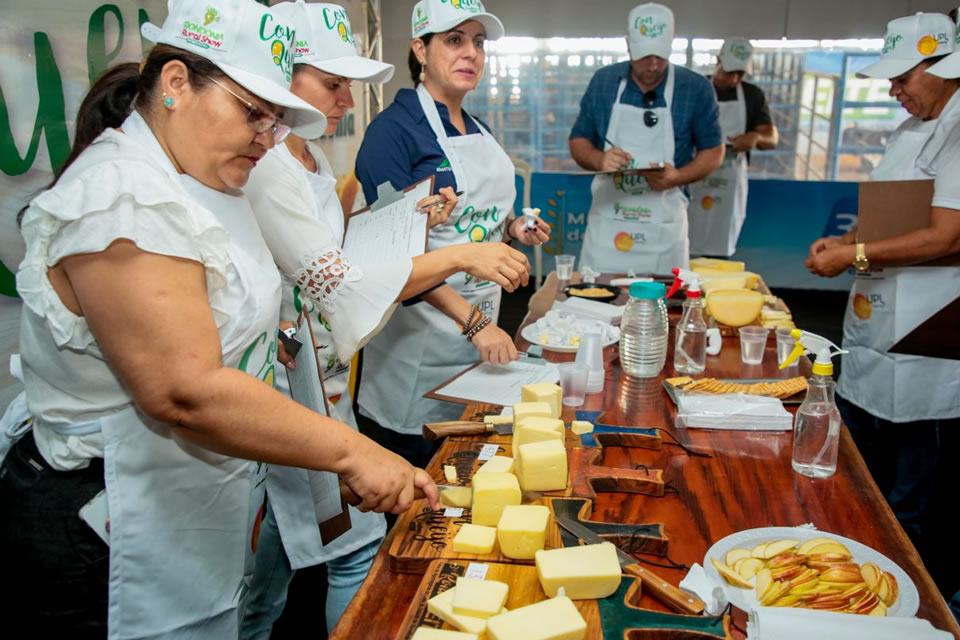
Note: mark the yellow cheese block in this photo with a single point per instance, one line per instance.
(522, 530)
(716, 264)
(536, 429)
(426, 633)
(732, 281)
(554, 619)
(530, 409)
(580, 427)
(497, 464)
(584, 572)
(498, 419)
(547, 392)
(479, 598)
(441, 605)
(450, 473)
(735, 308)
(475, 538)
(457, 497)
(709, 274)
(542, 466)
(491, 493)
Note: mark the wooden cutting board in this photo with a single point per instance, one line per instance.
(613, 618)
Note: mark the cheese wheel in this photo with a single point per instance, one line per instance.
(735, 307)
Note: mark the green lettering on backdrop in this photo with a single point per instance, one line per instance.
(97, 57)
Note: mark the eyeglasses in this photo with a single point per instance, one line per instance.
(258, 119)
(650, 117)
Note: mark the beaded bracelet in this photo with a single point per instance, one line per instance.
(484, 321)
(466, 325)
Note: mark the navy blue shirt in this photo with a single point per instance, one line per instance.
(694, 110)
(400, 147)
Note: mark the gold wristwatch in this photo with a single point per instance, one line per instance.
(860, 262)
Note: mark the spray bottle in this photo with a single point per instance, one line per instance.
(816, 428)
(690, 350)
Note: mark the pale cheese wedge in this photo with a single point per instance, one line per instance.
(426, 633)
(580, 427)
(584, 572)
(457, 497)
(717, 264)
(522, 530)
(707, 274)
(554, 619)
(530, 409)
(733, 281)
(536, 429)
(542, 466)
(441, 605)
(479, 598)
(735, 307)
(547, 392)
(450, 473)
(491, 493)
(497, 464)
(475, 538)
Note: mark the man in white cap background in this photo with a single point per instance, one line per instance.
(903, 411)
(650, 115)
(718, 204)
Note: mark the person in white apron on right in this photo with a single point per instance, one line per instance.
(718, 203)
(897, 406)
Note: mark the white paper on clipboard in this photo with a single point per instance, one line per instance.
(306, 387)
(499, 384)
(390, 233)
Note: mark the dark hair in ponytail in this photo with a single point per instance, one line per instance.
(414, 64)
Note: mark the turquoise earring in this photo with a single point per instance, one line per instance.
(167, 101)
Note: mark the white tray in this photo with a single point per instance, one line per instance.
(531, 334)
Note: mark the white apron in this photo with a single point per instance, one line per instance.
(421, 347)
(889, 302)
(288, 488)
(718, 203)
(631, 226)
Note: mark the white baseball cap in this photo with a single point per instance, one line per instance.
(650, 31)
(249, 43)
(735, 54)
(437, 16)
(909, 41)
(325, 41)
(949, 67)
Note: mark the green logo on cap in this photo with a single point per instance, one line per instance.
(212, 15)
(473, 6)
(890, 41)
(421, 22)
(647, 28)
(339, 22)
(739, 51)
(281, 38)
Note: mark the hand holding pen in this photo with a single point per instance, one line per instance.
(439, 206)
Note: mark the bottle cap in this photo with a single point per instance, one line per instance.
(648, 290)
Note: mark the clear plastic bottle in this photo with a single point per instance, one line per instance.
(644, 330)
(816, 430)
(690, 352)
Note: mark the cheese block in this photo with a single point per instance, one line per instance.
(441, 605)
(529, 409)
(547, 392)
(554, 619)
(457, 497)
(581, 427)
(708, 274)
(735, 308)
(475, 538)
(716, 264)
(479, 598)
(491, 493)
(536, 429)
(733, 281)
(542, 466)
(498, 419)
(584, 572)
(450, 473)
(426, 633)
(497, 464)
(522, 530)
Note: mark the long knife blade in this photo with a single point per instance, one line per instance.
(659, 588)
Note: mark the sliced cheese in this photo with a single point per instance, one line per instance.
(530, 409)
(426, 633)
(554, 619)
(716, 264)
(475, 538)
(441, 605)
(479, 598)
(542, 466)
(497, 464)
(522, 530)
(491, 493)
(708, 274)
(735, 308)
(580, 427)
(536, 429)
(584, 572)
(547, 392)
(457, 497)
(724, 282)
(450, 473)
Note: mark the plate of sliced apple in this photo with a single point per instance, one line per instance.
(806, 568)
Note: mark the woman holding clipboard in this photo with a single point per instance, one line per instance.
(425, 132)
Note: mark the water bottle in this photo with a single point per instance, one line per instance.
(816, 430)
(690, 352)
(643, 331)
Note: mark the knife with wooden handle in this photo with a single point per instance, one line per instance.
(437, 430)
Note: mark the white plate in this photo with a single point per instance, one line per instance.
(907, 602)
(531, 334)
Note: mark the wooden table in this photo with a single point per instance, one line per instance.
(747, 483)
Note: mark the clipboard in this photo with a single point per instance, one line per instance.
(386, 196)
(434, 394)
(306, 388)
(534, 357)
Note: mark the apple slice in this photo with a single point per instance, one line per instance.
(841, 575)
(748, 567)
(787, 559)
(802, 588)
(866, 604)
(894, 588)
(786, 601)
(776, 591)
(776, 548)
(856, 591)
(831, 547)
(871, 575)
(887, 589)
(764, 582)
(811, 543)
(730, 575)
(735, 554)
(786, 574)
(758, 550)
(879, 610)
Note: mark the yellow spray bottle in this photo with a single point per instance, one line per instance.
(816, 428)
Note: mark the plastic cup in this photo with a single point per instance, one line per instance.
(785, 345)
(753, 342)
(590, 355)
(573, 381)
(564, 264)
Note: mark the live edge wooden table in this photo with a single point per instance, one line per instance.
(747, 483)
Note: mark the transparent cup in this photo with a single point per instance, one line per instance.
(564, 264)
(753, 342)
(590, 355)
(573, 382)
(785, 345)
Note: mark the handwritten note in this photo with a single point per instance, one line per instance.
(394, 232)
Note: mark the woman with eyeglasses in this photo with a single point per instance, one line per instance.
(426, 132)
(148, 339)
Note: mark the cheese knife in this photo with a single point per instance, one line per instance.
(437, 430)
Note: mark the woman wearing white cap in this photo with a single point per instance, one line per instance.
(148, 331)
(426, 132)
(294, 198)
(897, 405)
